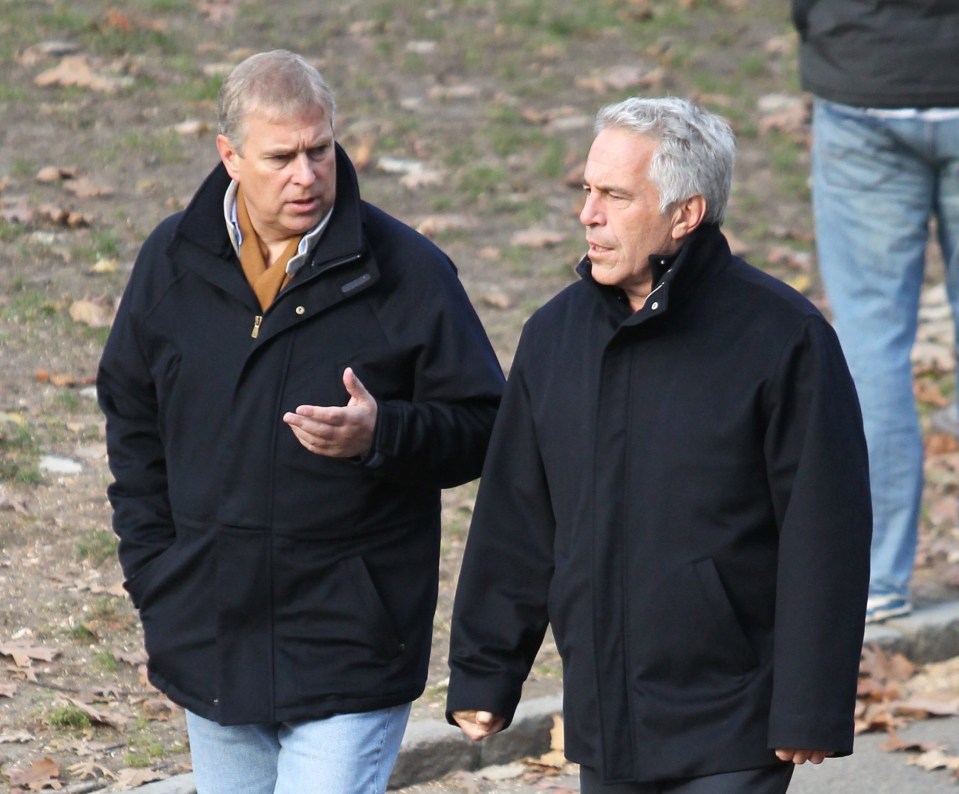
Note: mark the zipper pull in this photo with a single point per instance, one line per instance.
(256, 326)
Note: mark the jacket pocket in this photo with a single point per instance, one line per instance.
(687, 638)
(331, 617)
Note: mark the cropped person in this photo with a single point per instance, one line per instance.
(885, 80)
(292, 377)
(677, 482)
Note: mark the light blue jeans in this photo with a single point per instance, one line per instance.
(344, 754)
(876, 184)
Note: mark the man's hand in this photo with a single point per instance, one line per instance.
(801, 756)
(478, 724)
(333, 431)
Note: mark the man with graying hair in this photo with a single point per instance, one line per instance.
(292, 378)
(677, 483)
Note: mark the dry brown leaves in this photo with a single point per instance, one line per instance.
(893, 692)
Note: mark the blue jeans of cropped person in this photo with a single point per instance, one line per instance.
(343, 754)
(878, 178)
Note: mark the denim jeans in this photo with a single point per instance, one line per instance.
(344, 754)
(876, 183)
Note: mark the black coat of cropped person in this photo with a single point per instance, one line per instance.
(275, 584)
(682, 493)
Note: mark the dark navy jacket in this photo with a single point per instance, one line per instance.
(880, 53)
(275, 584)
(683, 494)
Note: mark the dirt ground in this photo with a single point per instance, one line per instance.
(469, 119)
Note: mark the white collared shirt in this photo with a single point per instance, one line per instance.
(307, 243)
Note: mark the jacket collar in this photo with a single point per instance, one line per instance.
(676, 277)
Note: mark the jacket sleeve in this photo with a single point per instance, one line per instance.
(819, 483)
(127, 396)
(800, 15)
(500, 610)
(438, 438)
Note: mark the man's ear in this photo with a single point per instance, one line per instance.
(228, 154)
(687, 215)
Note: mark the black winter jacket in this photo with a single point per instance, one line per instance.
(880, 53)
(683, 494)
(275, 584)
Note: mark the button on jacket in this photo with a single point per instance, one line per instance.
(275, 584)
(682, 493)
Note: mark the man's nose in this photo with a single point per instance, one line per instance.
(591, 214)
(303, 170)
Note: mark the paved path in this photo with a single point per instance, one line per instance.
(870, 770)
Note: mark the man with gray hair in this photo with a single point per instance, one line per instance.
(677, 484)
(292, 377)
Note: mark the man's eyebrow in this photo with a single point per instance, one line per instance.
(607, 187)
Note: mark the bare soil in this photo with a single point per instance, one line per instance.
(468, 119)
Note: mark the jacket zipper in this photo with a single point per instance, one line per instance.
(258, 319)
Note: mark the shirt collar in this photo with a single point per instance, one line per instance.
(307, 243)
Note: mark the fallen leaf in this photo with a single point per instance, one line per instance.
(96, 315)
(219, 12)
(790, 257)
(35, 53)
(55, 173)
(538, 238)
(622, 78)
(63, 216)
(158, 709)
(76, 70)
(924, 707)
(23, 655)
(84, 188)
(498, 300)
(192, 127)
(134, 778)
(16, 210)
(432, 225)
(105, 266)
(16, 737)
(90, 770)
(930, 392)
(935, 759)
(7, 690)
(940, 444)
(17, 505)
(38, 775)
(96, 716)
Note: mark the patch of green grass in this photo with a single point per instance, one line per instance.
(19, 453)
(481, 179)
(787, 160)
(104, 608)
(97, 547)
(145, 748)
(551, 163)
(753, 65)
(106, 662)
(82, 634)
(104, 244)
(69, 718)
(67, 402)
(11, 232)
(160, 147)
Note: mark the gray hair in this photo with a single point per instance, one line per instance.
(279, 83)
(695, 154)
